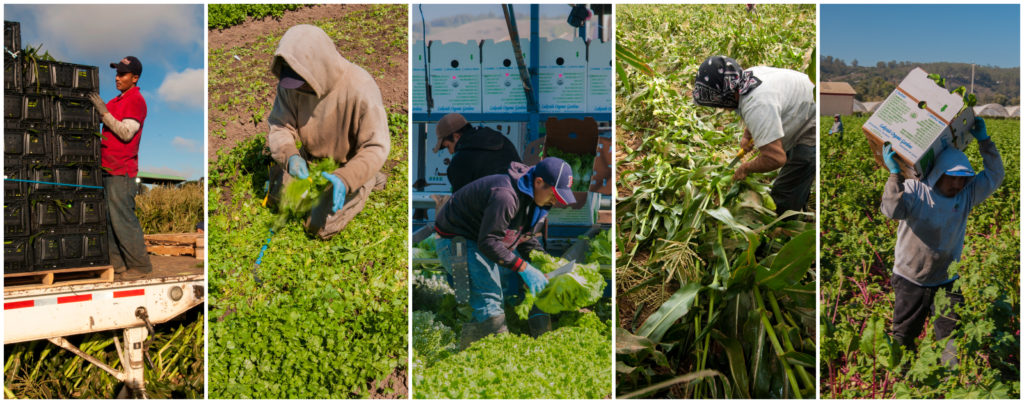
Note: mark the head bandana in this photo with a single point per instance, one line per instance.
(718, 80)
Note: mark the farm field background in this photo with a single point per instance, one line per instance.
(316, 319)
(715, 295)
(858, 356)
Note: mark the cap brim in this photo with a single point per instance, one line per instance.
(291, 83)
(959, 173)
(120, 68)
(565, 196)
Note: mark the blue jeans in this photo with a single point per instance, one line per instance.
(490, 284)
(125, 243)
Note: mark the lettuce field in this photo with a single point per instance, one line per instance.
(859, 357)
(573, 361)
(715, 293)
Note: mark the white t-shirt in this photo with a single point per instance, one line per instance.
(782, 107)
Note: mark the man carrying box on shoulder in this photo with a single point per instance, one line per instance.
(933, 221)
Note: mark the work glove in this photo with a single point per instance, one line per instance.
(97, 102)
(534, 279)
(339, 190)
(297, 167)
(978, 130)
(890, 159)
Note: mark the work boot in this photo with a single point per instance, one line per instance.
(949, 358)
(134, 274)
(472, 332)
(539, 322)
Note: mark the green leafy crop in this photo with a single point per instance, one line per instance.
(582, 167)
(301, 194)
(567, 363)
(582, 287)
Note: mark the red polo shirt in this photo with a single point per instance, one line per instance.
(119, 157)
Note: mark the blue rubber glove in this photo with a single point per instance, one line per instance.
(339, 190)
(890, 159)
(978, 130)
(297, 167)
(534, 279)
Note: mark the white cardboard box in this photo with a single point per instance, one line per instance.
(585, 214)
(563, 76)
(920, 119)
(502, 85)
(455, 77)
(599, 77)
(419, 85)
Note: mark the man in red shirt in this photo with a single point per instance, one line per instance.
(123, 118)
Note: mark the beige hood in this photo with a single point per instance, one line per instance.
(344, 120)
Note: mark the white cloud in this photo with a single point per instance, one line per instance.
(112, 31)
(184, 88)
(185, 145)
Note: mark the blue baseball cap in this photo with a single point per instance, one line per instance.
(558, 174)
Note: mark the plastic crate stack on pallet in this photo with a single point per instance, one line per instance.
(51, 137)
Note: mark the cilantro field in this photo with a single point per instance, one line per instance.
(573, 361)
(859, 357)
(715, 294)
(316, 319)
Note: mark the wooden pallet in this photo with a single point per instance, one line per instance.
(58, 277)
(188, 244)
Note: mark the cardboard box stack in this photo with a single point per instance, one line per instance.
(55, 214)
(920, 119)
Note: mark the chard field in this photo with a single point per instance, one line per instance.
(715, 293)
(859, 357)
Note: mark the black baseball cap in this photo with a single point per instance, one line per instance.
(290, 79)
(558, 174)
(130, 64)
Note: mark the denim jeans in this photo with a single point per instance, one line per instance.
(490, 284)
(124, 233)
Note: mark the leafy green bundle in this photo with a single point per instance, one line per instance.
(582, 167)
(567, 363)
(566, 292)
(300, 195)
(600, 248)
(433, 342)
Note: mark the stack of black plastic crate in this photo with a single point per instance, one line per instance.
(54, 210)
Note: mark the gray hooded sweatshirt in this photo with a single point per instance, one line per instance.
(932, 226)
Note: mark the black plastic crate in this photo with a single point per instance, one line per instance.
(14, 189)
(87, 247)
(17, 255)
(75, 78)
(75, 113)
(87, 175)
(76, 146)
(28, 110)
(59, 78)
(12, 74)
(26, 143)
(12, 36)
(62, 214)
(16, 217)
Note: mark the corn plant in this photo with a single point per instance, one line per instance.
(716, 292)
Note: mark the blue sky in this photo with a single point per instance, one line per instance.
(167, 39)
(982, 34)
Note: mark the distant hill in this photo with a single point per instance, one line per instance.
(998, 85)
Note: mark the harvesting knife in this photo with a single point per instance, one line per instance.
(739, 156)
(567, 268)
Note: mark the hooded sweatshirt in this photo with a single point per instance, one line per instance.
(498, 212)
(480, 152)
(345, 119)
(932, 226)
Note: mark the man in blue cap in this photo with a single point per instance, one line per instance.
(488, 229)
(933, 220)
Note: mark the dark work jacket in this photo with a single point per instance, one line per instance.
(480, 152)
(498, 214)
